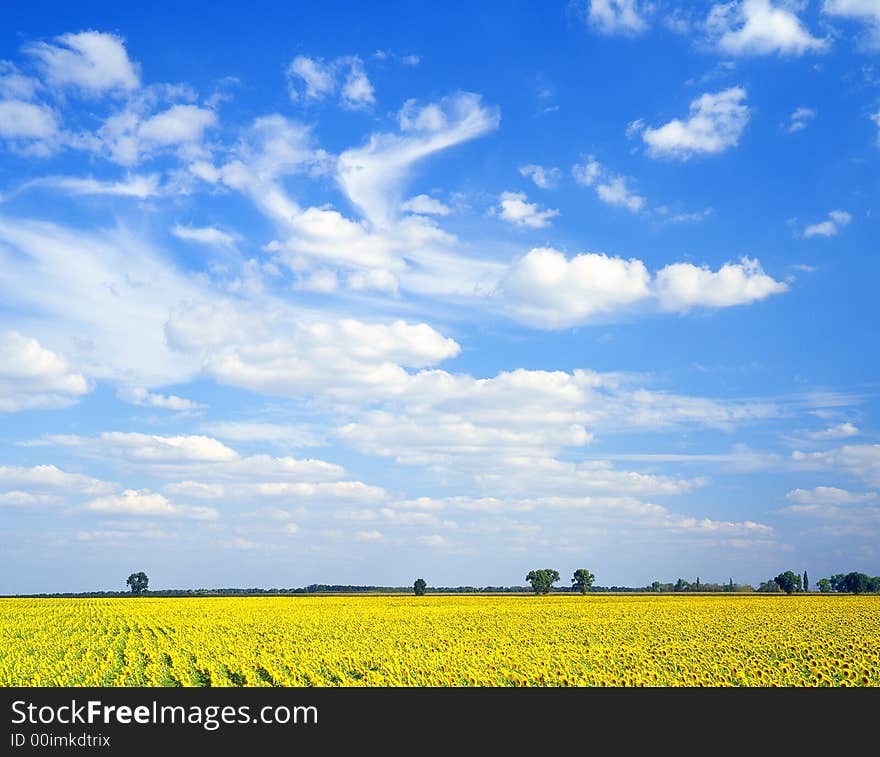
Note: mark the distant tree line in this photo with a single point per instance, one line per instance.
(849, 583)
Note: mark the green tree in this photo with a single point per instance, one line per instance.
(730, 585)
(419, 587)
(697, 585)
(806, 582)
(856, 583)
(582, 580)
(770, 587)
(681, 585)
(824, 585)
(874, 585)
(838, 582)
(542, 580)
(788, 581)
(138, 582)
(655, 586)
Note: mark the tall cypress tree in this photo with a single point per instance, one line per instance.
(806, 582)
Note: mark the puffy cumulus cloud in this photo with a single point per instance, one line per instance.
(145, 502)
(854, 514)
(830, 227)
(34, 378)
(144, 398)
(840, 431)
(860, 460)
(716, 123)
(547, 289)
(104, 295)
(683, 286)
(372, 176)
(514, 208)
(322, 79)
(150, 448)
(131, 136)
(282, 353)
(16, 85)
(49, 478)
(177, 125)
(760, 27)
(864, 11)
(426, 205)
(91, 62)
(139, 186)
(546, 178)
(25, 121)
(627, 17)
(206, 235)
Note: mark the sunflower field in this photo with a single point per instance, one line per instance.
(451, 640)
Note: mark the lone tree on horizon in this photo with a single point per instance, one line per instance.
(138, 582)
(582, 580)
(542, 580)
(419, 587)
(788, 581)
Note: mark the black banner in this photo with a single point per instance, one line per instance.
(392, 721)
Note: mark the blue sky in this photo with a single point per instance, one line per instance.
(359, 294)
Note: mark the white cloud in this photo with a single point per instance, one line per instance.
(618, 16)
(760, 27)
(588, 172)
(425, 205)
(35, 378)
(27, 121)
(103, 298)
(145, 502)
(514, 208)
(283, 353)
(682, 286)
(357, 92)
(545, 178)
(375, 279)
(840, 431)
(861, 460)
(837, 219)
(800, 119)
(276, 433)
(610, 188)
(133, 185)
(298, 492)
(206, 235)
(716, 122)
(616, 192)
(143, 398)
(318, 77)
(129, 136)
(320, 80)
(49, 478)
(149, 448)
(865, 11)
(27, 499)
(829, 495)
(876, 119)
(90, 61)
(321, 282)
(177, 125)
(546, 289)
(371, 176)
(16, 86)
